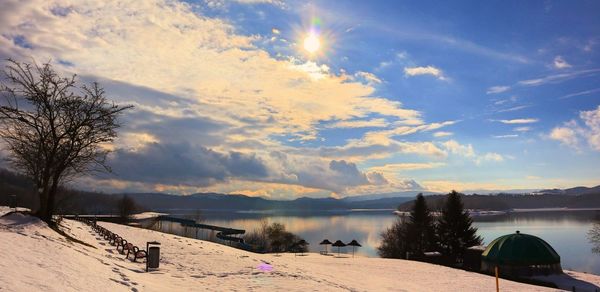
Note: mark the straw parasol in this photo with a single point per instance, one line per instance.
(325, 242)
(354, 245)
(300, 246)
(339, 245)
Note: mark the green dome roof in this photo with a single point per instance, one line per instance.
(520, 249)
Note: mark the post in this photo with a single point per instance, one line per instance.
(497, 282)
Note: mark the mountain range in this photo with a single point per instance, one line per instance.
(76, 201)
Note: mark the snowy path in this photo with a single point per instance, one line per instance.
(35, 258)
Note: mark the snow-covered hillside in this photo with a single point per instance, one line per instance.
(35, 258)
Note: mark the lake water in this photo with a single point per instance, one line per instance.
(566, 231)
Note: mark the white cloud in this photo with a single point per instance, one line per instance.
(224, 4)
(560, 63)
(497, 89)
(456, 148)
(179, 67)
(566, 135)
(519, 121)
(380, 123)
(490, 156)
(585, 92)
(522, 129)
(571, 132)
(370, 78)
(429, 70)
(592, 121)
(511, 99)
(468, 151)
(442, 134)
(558, 78)
(514, 108)
(445, 186)
(505, 136)
(399, 167)
(275, 2)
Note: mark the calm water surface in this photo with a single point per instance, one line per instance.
(566, 231)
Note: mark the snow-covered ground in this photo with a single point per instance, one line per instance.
(35, 258)
(147, 215)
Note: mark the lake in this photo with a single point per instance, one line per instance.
(566, 231)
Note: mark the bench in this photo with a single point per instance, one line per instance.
(114, 239)
(108, 235)
(135, 251)
(121, 243)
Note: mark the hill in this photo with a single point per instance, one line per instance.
(35, 258)
(589, 199)
(82, 202)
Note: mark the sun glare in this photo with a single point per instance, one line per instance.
(312, 43)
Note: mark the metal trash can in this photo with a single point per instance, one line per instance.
(13, 202)
(153, 260)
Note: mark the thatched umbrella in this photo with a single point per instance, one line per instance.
(300, 245)
(354, 245)
(325, 242)
(339, 245)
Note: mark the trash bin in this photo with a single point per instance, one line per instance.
(13, 202)
(153, 260)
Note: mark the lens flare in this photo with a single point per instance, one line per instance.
(312, 43)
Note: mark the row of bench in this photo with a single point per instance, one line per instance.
(114, 239)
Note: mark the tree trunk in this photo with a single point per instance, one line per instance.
(43, 196)
(47, 216)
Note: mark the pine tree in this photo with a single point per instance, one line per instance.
(455, 231)
(421, 232)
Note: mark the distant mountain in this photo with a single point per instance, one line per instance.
(405, 194)
(564, 199)
(75, 201)
(576, 191)
(495, 192)
(383, 203)
(163, 202)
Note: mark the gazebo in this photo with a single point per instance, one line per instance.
(520, 254)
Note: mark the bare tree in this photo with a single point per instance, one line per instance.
(127, 207)
(54, 128)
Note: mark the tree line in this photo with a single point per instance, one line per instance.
(450, 234)
(274, 238)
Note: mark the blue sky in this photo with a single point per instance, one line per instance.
(400, 95)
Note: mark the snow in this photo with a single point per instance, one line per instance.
(147, 215)
(35, 258)
(5, 210)
(570, 279)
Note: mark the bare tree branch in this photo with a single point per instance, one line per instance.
(53, 128)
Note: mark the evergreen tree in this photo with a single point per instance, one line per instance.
(454, 229)
(421, 231)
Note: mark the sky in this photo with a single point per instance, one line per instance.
(286, 99)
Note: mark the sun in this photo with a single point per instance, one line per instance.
(312, 43)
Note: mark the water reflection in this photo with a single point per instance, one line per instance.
(566, 231)
(594, 236)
